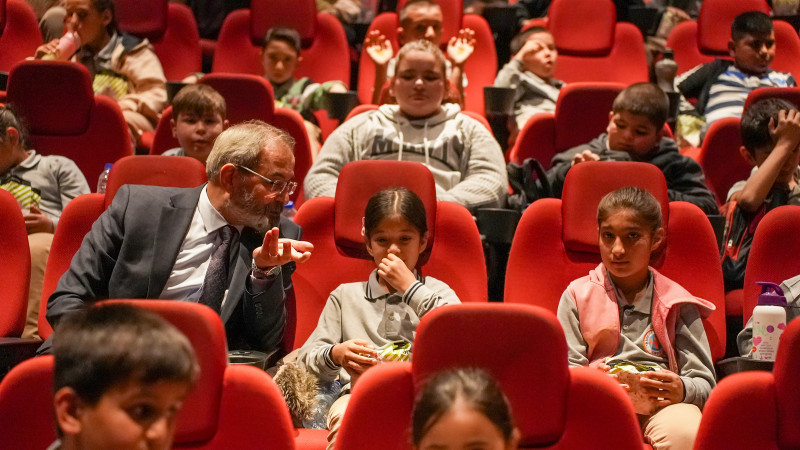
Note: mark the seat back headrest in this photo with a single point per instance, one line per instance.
(299, 15)
(587, 104)
(715, 19)
(583, 27)
(247, 97)
(587, 183)
(142, 18)
(360, 180)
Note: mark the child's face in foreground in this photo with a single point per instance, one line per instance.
(196, 134)
(397, 236)
(464, 428)
(542, 62)
(129, 416)
(419, 85)
(625, 246)
(90, 23)
(753, 53)
(422, 22)
(279, 60)
(632, 133)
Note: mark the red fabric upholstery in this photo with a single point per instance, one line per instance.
(720, 159)
(143, 18)
(588, 36)
(26, 404)
(558, 410)
(246, 96)
(76, 220)
(481, 67)
(230, 406)
(65, 117)
(545, 135)
(583, 27)
(456, 253)
(325, 53)
(179, 48)
(386, 23)
(701, 41)
(163, 139)
(2, 16)
(20, 36)
(773, 255)
(15, 276)
(791, 94)
(563, 234)
(757, 409)
(174, 171)
(291, 121)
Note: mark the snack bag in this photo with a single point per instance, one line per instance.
(395, 351)
(628, 372)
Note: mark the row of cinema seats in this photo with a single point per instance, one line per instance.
(556, 240)
(553, 233)
(521, 346)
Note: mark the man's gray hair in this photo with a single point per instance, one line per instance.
(241, 145)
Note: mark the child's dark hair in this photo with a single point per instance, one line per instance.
(423, 45)
(200, 100)
(519, 40)
(642, 203)
(754, 23)
(111, 344)
(403, 13)
(10, 118)
(395, 201)
(644, 99)
(103, 5)
(472, 386)
(288, 35)
(754, 127)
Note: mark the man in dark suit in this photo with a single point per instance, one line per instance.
(158, 242)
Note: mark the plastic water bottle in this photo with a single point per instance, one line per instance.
(67, 45)
(288, 210)
(103, 179)
(769, 321)
(666, 69)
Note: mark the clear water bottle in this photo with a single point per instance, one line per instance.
(103, 179)
(666, 69)
(769, 321)
(289, 211)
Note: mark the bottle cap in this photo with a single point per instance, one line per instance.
(771, 294)
(668, 53)
(288, 205)
(108, 166)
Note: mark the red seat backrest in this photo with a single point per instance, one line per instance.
(246, 96)
(587, 104)
(65, 117)
(715, 19)
(179, 48)
(2, 16)
(143, 18)
(15, 277)
(26, 403)
(790, 94)
(20, 35)
(173, 171)
(720, 159)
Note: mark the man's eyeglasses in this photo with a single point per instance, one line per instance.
(278, 186)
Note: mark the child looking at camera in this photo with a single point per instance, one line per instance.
(121, 374)
(463, 408)
(360, 317)
(198, 117)
(624, 309)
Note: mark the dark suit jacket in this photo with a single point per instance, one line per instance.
(130, 251)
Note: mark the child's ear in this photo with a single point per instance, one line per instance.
(106, 17)
(513, 440)
(747, 156)
(13, 136)
(658, 239)
(225, 124)
(423, 242)
(732, 48)
(67, 404)
(174, 127)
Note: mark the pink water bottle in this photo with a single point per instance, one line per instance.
(66, 47)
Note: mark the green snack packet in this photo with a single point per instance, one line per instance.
(395, 351)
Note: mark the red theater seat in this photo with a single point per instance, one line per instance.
(19, 33)
(15, 277)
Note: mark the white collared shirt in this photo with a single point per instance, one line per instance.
(190, 266)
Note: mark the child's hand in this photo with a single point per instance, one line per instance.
(393, 270)
(355, 356)
(461, 46)
(38, 222)
(662, 384)
(531, 46)
(586, 155)
(46, 49)
(378, 47)
(787, 130)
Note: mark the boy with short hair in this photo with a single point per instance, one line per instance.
(634, 133)
(121, 374)
(721, 86)
(280, 57)
(419, 19)
(530, 73)
(198, 117)
(770, 131)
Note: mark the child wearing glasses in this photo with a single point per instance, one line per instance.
(465, 159)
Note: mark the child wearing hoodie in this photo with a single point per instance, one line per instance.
(465, 159)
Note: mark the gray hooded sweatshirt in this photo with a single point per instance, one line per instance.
(465, 159)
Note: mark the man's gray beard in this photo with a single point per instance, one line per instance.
(246, 212)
